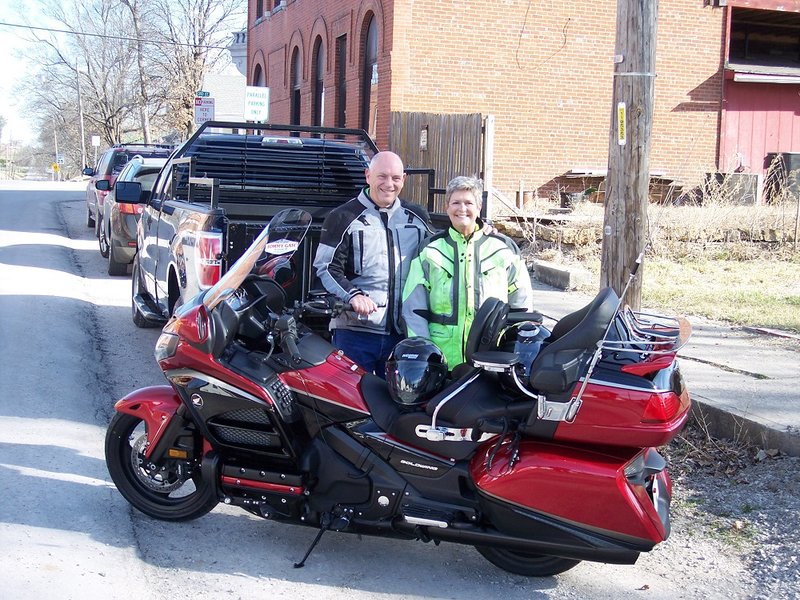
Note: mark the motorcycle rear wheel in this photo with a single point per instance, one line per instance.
(525, 563)
(172, 492)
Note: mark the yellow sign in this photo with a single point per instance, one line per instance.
(55, 167)
(621, 133)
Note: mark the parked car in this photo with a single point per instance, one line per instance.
(119, 219)
(108, 167)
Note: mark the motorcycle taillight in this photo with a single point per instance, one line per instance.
(661, 407)
(208, 258)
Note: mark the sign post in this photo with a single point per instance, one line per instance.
(256, 104)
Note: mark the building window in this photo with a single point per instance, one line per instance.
(317, 81)
(765, 41)
(369, 79)
(341, 81)
(258, 76)
(296, 77)
(259, 9)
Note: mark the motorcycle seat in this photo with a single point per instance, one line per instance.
(471, 402)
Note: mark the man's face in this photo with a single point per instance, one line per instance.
(463, 211)
(385, 180)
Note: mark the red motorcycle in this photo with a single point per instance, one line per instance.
(537, 465)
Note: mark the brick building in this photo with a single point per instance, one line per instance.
(726, 92)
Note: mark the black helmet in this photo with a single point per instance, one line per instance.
(415, 371)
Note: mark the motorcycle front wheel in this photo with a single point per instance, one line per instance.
(171, 491)
(524, 563)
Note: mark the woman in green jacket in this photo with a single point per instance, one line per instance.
(456, 270)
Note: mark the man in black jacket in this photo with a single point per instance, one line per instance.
(363, 258)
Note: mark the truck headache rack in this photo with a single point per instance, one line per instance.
(295, 167)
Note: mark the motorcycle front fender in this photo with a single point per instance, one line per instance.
(155, 405)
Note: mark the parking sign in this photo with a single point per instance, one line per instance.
(203, 109)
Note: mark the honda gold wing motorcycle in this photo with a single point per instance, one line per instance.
(538, 462)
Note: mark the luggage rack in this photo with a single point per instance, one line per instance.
(660, 334)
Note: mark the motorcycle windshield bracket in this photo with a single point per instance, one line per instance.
(558, 411)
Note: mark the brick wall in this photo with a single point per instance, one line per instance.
(544, 69)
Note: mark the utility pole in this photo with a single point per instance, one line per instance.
(57, 167)
(80, 117)
(628, 179)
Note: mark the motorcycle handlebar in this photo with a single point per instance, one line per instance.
(290, 340)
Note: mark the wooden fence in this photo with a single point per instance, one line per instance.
(451, 145)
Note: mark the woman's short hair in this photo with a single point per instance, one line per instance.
(461, 183)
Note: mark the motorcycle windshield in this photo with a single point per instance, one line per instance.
(279, 240)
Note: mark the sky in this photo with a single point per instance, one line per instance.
(13, 70)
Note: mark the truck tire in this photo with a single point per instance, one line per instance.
(136, 290)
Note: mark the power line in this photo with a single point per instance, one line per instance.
(110, 37)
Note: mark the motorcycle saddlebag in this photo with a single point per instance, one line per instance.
(619, 493)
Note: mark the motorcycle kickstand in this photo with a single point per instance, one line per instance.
(325, 524)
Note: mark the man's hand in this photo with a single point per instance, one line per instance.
(363, 305)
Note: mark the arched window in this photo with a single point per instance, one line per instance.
(369, 78)
(258, 76)
(296, 76)
(317, 82)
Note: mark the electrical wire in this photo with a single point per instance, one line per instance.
(110, 37)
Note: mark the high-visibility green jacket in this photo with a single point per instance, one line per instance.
(449, 279)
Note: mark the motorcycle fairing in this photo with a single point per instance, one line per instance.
(231, 417)
(579, 486)
(155, 405)
(329, 389)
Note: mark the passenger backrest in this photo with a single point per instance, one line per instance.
(561, 362)
(486, 327)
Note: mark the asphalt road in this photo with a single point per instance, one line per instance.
(69, 350)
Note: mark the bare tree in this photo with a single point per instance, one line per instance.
(138, 64)
(101, 61)
(197, 31)
(140, 31)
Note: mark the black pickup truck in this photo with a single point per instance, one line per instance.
(216, 193)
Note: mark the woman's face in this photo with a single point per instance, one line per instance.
(463, 211)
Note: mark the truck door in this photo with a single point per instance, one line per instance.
(148, 231)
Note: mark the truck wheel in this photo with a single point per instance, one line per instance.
(136, 290)
(175, 297)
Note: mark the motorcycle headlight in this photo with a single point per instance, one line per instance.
(166, 346)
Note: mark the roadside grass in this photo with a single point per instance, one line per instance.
(759, 293)
(737, 264)
(756, 293)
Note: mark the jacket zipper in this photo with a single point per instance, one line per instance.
(390, 303)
